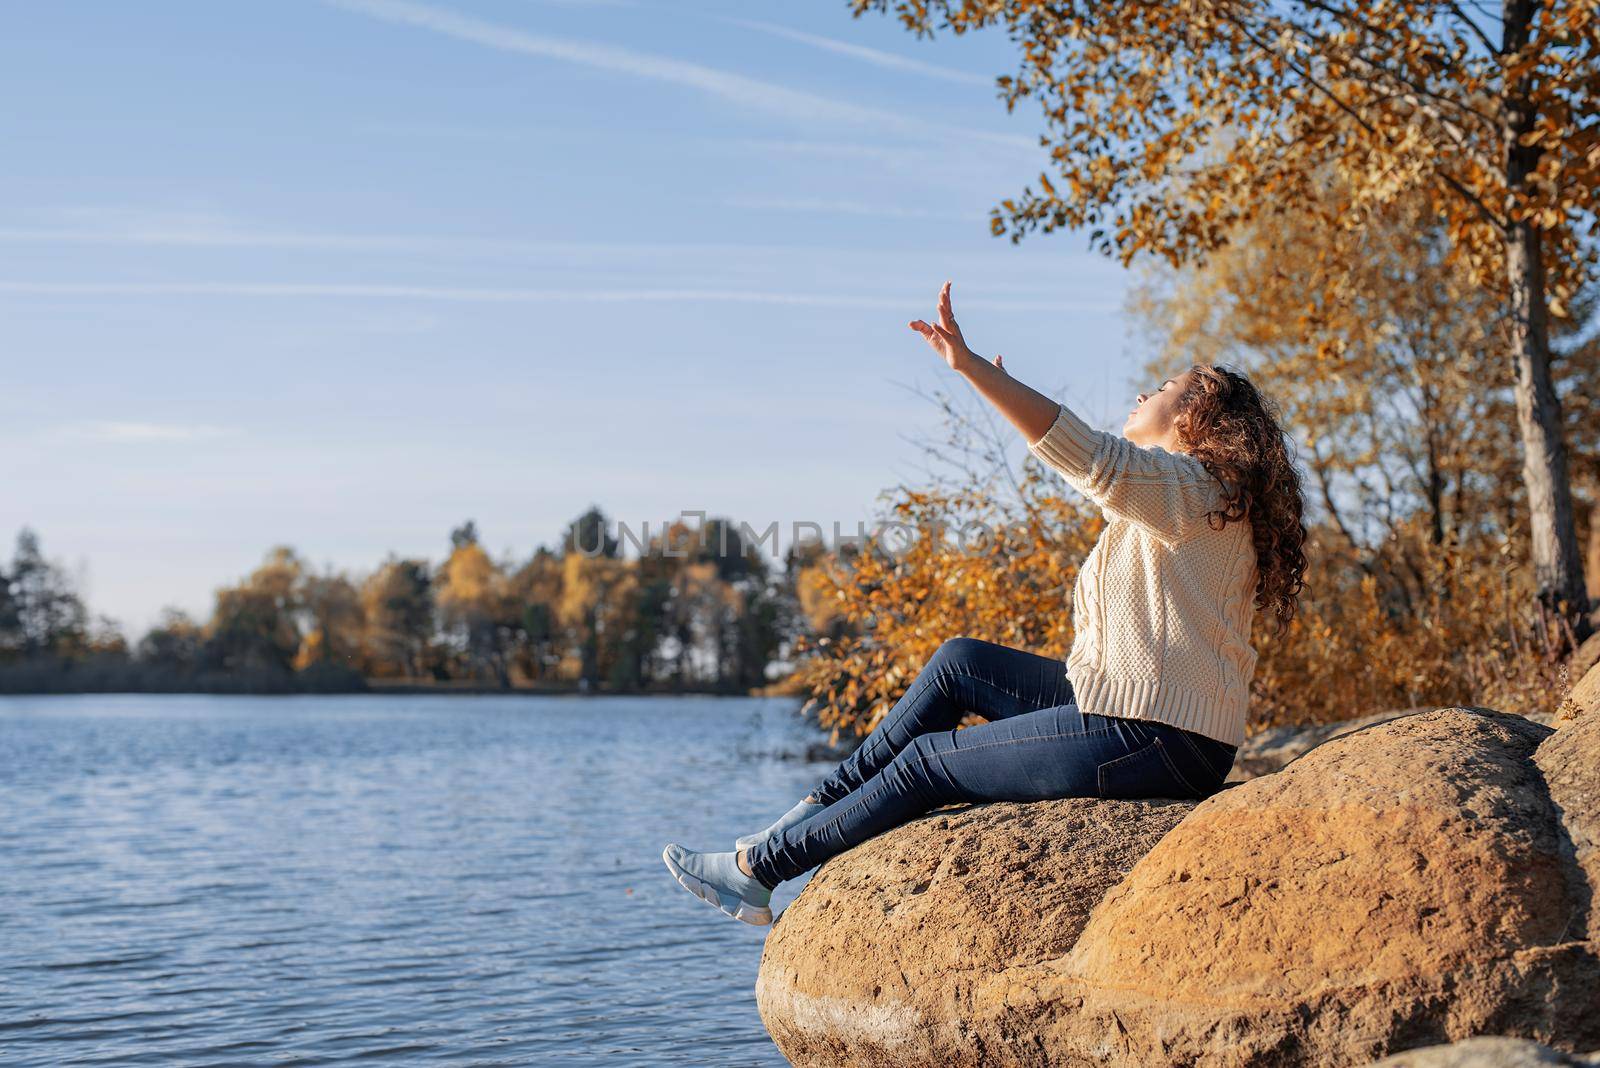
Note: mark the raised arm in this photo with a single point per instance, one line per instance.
(1167, 493)
(1024, 408)
(1030, 411)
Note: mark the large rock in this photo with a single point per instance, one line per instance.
(1400, 885)
(1570, 763)
(1270, 750)
(1404, 884)
(1584, 700)
(1585, 656)
(1487, 1052)
(877, 960)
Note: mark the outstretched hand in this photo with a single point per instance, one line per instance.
(946, 337)
(1030, 411)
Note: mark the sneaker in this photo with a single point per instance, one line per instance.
(803, 811)
(716, 879)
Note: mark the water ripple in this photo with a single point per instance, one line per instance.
(364, 880)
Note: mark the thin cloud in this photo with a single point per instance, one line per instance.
(218, 237)
(875, 56)
(737, 89)
(281, 290)
(216, 231)
(124, 433)
(889, 154)
(850, 207)
(452, 131)
(149, 227)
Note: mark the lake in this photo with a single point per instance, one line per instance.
(198, 880)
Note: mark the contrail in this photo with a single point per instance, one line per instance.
(737, 89)
(507, 296)
(875, 56)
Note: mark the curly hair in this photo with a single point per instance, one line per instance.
(1223, 421)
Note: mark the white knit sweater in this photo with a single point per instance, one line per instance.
(1163, 604)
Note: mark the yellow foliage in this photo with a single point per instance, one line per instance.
(1466, 632)
(470, 584)
(1012, 587)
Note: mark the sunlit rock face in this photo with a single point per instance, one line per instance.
(1584, 699)
(1412, 882)
(881, 959)
(1488, 1052)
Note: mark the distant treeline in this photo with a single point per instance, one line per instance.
(699, 609)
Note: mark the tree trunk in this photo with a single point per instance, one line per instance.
(1557, 561)
(1592, 566)
(1557, 565)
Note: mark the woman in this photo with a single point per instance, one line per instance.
(1203, 510)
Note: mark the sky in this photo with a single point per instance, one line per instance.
(343, 275)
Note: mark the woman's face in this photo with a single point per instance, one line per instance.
(1151, 422)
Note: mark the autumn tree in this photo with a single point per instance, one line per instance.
(697, 604)
(253, 628)
(536, 588)
(475, 609)
(333, 620)
(172, 646)
(40, 611)
(1170, 124)
(757, 634)
(397, 614)
(598, 597)
(598, 592)
(641, 655)
(588, 535)
(818, 608)
(716, 614)
(739, 615)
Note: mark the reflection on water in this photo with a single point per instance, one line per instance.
(451, 880)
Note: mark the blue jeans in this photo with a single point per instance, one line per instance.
(1037, 745)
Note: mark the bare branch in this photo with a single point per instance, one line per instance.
(1320, 468)
(1455, 9)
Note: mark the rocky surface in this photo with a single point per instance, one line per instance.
(1488, 1052)
(1585, 696)
(1584, 657)
(1272, 749)
(866, 966)
(1570, 763)
(1416, 880)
